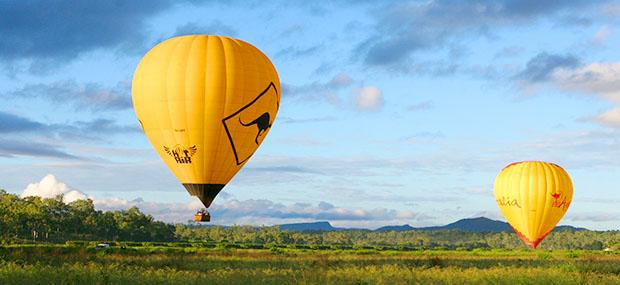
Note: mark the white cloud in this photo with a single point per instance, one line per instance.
(168, 212)
(406, 215)
(50, 187)
(610, 118)
(265, 212)
(592, 216)
(598, 79)
(602, 79)
(369, 98)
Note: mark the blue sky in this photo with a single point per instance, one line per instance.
(393, 112)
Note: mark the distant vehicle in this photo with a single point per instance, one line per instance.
(202, 216)
(102, 246)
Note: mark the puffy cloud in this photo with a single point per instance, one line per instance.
(610, 118)
(602, 79)
(369, 98)
(50, 187)
(565, 73)
(598, 79)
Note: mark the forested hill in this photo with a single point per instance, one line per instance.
(480, 224)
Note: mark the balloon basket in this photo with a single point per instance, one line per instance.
(202, 216)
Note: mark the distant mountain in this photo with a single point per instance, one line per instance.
(317, 226)
(569, 228)
(395, 228)
(480, 224)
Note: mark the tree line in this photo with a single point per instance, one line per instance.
(33, 218)
(51, 220)
(426, 239)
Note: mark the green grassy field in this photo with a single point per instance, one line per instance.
(58, 264)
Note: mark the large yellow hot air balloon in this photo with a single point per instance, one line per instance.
(533, 196)
(205, 103)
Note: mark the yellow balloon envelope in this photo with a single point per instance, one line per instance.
(533, 196)
(205, 103)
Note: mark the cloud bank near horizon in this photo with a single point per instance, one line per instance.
(231, 211)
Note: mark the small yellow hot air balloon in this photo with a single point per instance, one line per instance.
(533, 196)
(205, 103)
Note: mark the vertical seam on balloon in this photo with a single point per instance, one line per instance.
(543, 219)
(557, 179)
(237, 48)
(235, 45)
(522, 197)
(185, 103)
(543, 191)
(223, 110)
(537, 191)
(533, 196)
(166, 95)
(259, 61)
(166, 117)
(207, 157)
(532, 192)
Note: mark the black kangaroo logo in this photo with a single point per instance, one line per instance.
(262, 123)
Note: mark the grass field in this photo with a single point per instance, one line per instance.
(62, 264)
